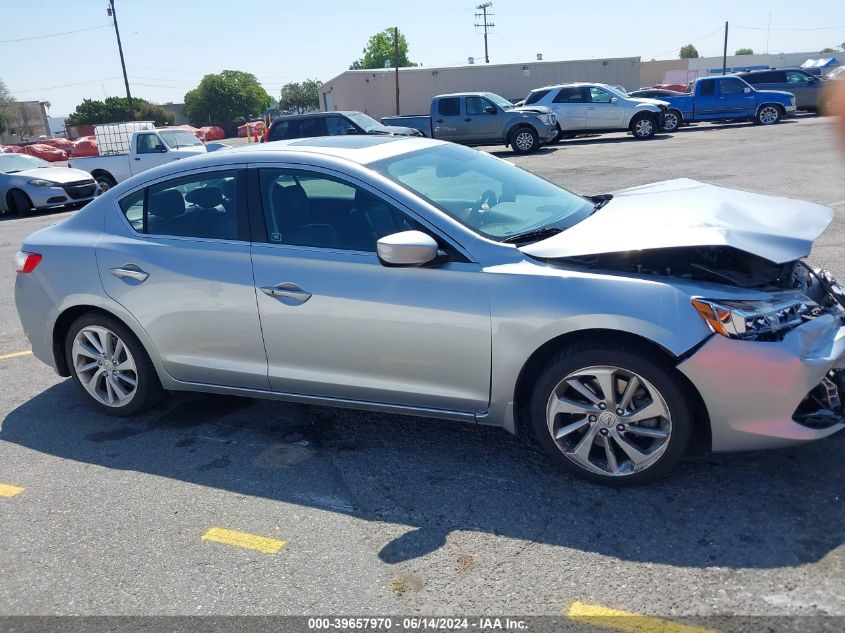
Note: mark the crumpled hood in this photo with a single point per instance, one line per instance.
(650, 101)
(532, 109)
(684, 212)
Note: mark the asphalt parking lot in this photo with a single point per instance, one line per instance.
(379, 514)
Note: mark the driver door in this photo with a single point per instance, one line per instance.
(337, 323)
(150, 151)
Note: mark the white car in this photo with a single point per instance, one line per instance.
(27, 183)
(583, 108)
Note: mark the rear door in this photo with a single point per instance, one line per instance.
(735, 99)
(602, 113)
(176, 255)
(570, 107)
(447, 121)
(705, 98)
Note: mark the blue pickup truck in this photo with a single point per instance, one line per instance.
(727, 98)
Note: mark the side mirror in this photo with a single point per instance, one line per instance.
(746, 90)
(490, 109)
(614, 100)
(408, 248)
(351, 130)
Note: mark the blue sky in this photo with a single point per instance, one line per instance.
(170, 44)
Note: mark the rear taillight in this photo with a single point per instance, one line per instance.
(26, 262)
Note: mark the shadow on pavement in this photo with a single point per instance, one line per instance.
(764, 510)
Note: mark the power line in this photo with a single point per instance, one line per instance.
(677, 48)
(80, 83)
(792, 28)
(41, 37)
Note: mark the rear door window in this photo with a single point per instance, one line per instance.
(450, 106)
(794, 77)
(571, 95)
(315, 126)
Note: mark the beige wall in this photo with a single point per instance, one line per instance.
(25, 121)
(373, 92)
(653, 72)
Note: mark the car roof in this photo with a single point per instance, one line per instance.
(769, 70)
(307, 115)
(573, 84)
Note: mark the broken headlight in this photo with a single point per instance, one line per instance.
(750, 320)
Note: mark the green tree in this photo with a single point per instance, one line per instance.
(688, 52)
(381, 49)
(826, 50)
(114, 109)
(744, 51)
(301, 97)
(220, 99)
(5, 100)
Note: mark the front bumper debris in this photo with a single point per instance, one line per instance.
(757, 392)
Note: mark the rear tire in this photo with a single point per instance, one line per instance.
(644, 126)
(597, 429)
(18, 202)
(525, 140)
(110, 366)
(105, 181)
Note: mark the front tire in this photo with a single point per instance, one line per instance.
(672, 120)
(105, 181)
(644, 126)
(615, 415)
(110, 366)
(768, 115)
(18, 202)
(525, 140)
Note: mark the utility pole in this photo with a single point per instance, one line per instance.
(396, 63)
(485, 24)
(725, 52)
(113, 14)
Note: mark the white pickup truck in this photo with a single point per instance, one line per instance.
(130, 148)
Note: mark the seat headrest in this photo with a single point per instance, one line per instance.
(205, 197)
(167, 204)
(290, 205)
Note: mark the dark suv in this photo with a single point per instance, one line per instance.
(331, 124)
(806, 88)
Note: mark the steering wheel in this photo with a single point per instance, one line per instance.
(476, 213)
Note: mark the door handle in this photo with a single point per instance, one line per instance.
(137, 158)
(130, 271)
(467, 119)
(286, 290)
(439, 121)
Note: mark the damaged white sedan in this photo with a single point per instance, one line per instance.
(418, 277)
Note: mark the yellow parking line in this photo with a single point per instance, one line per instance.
(244, 539)
(9, 491)
(16, 354)
(606, 617)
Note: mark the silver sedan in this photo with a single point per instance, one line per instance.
(419, 277)
(27, 183)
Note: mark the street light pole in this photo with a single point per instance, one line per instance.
(113, 14)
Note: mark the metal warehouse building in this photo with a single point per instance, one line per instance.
(373, 91)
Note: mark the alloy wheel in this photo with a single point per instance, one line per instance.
(105, 366)
(644, 128)
(671, 122)
(524, 141)
(609, 420)
(769, 115)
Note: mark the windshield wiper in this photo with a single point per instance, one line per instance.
(533, 236)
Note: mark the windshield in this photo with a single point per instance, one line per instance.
(503, 103)
(179, 138)
(836, 72)
(485, 193)
(616, 91)
(11, 163)
(368, 124)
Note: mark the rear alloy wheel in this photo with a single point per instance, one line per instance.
(643, 127)
(672, 121)
(768, 115)
(110, 366)
(18, 202)
(525, 140)
(611, 416)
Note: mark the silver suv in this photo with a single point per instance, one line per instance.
(589, 108)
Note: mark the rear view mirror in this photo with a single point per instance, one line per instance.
(408, 248)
